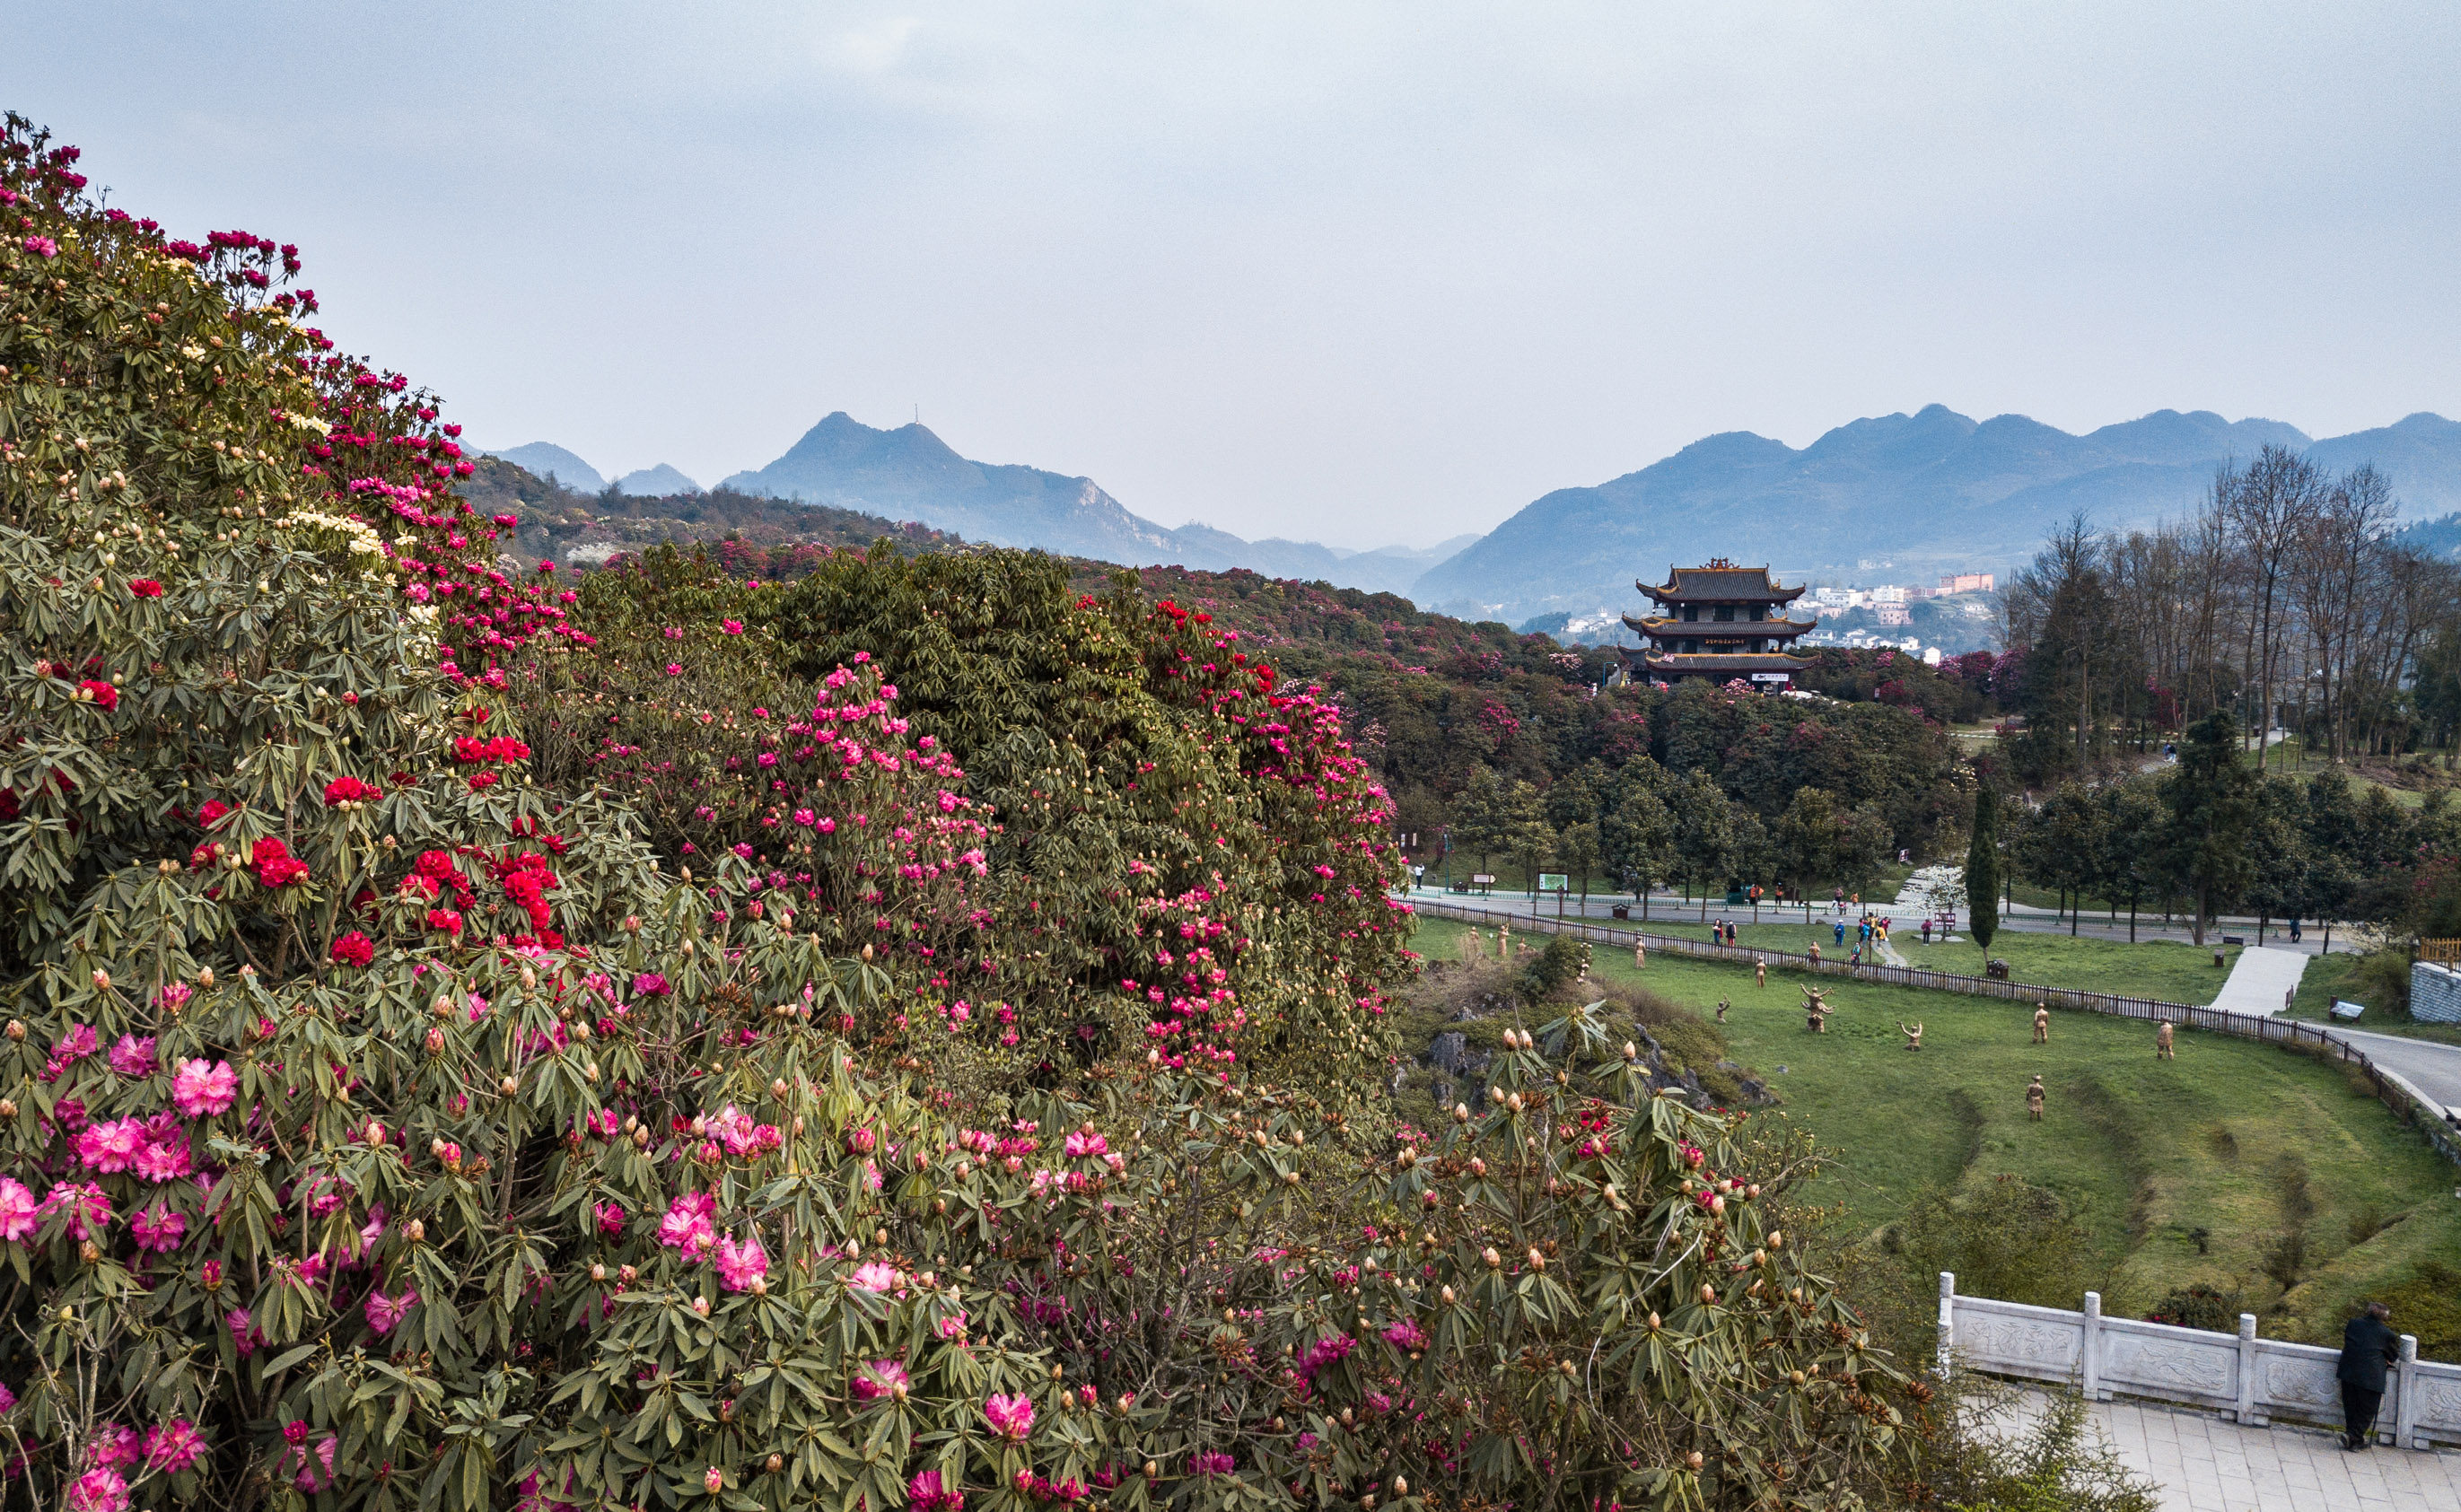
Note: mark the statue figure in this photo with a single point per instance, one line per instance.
(1815, 952)
(2162, 1042)
(2034, 1098)
(1760, 970)
(1914, 1036)
(1815, 1009)
(2041, 1023)
(1639, 955)
(1722, 1006)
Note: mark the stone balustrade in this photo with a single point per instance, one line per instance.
(2251, 1379)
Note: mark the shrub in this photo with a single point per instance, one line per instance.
(2197, 1307)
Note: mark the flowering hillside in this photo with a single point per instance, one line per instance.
(907, 1038)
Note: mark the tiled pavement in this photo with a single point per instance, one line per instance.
(2206, 1463)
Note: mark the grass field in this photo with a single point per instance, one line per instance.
(2179, 1170)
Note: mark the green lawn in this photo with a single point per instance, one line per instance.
(2146, 1152)
(2160, 968)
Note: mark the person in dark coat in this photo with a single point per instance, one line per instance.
(2368, 1347)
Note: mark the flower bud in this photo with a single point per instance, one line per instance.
(88, 1251)
(8, 1108)
(1537, 1261)
(508, 1087)
(1495, 1096)
(415, 1231)
(1401, 1485)
(1708, 1294)
(16, 1028)
(436, 1042)
(1652, 1323)
(1449, 1296)
(777, 1087)
(206, 976)
(1493, 1260)
(101, 980)
(598, 1271)
(1693, 1460)
(1461, 1113)
(776, 1463)
(1631, 1050)
(377, 1133)
(700, 1306)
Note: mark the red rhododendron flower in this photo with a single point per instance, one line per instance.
(353, 950)
(145, 588)
(103, 694)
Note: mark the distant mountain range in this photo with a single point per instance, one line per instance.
(1896, 499)
(910, 473)
(1899, 498)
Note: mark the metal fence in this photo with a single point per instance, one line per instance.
(2395, 1091)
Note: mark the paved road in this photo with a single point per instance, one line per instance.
(2204, 1463)
(2431, 1066)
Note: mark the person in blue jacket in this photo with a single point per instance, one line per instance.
(2368, 1348)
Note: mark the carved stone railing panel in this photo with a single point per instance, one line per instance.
(2174, 1363)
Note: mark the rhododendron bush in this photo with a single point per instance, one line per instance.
(1175, 852)
(395, 1113)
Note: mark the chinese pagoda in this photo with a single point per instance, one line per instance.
(1718, 621)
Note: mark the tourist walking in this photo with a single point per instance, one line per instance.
(2368, 1346)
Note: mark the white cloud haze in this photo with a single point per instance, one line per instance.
(1359, 273)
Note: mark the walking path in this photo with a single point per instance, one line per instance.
(2204, 1463)
(2431, 1066)
(2262, 981)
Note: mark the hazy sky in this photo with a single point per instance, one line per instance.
(1360, 273)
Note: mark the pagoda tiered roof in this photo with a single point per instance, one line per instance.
(1719, 582)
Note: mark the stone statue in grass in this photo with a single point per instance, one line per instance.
(2034, 1098)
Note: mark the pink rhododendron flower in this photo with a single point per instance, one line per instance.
(1011, 1417)
(611, 1220)
(1406, 1334)
(1215, 1463)
(158, 1229)
(20, 1213)
(686, 1223)
(738, 1265)
(202, 1089)
(879, 1379)
(174, 1446)
(133, 1057)
(111, 1147)
(924, 1494)
(875, 1276)
(164, 1157)
(88, 1209)
(1080, 1143)
(244, 1331)
(111, 1445)
(385, 1312)
(100, 1490)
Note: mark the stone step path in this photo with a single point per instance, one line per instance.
(2205, 1463)
(2262, 981)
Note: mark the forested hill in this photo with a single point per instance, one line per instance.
(1432, 700)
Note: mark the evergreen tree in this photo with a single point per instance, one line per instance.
(1577, 852)
(2211, 795)
(1982, 868)
(1637, 833)
(1704, 832)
